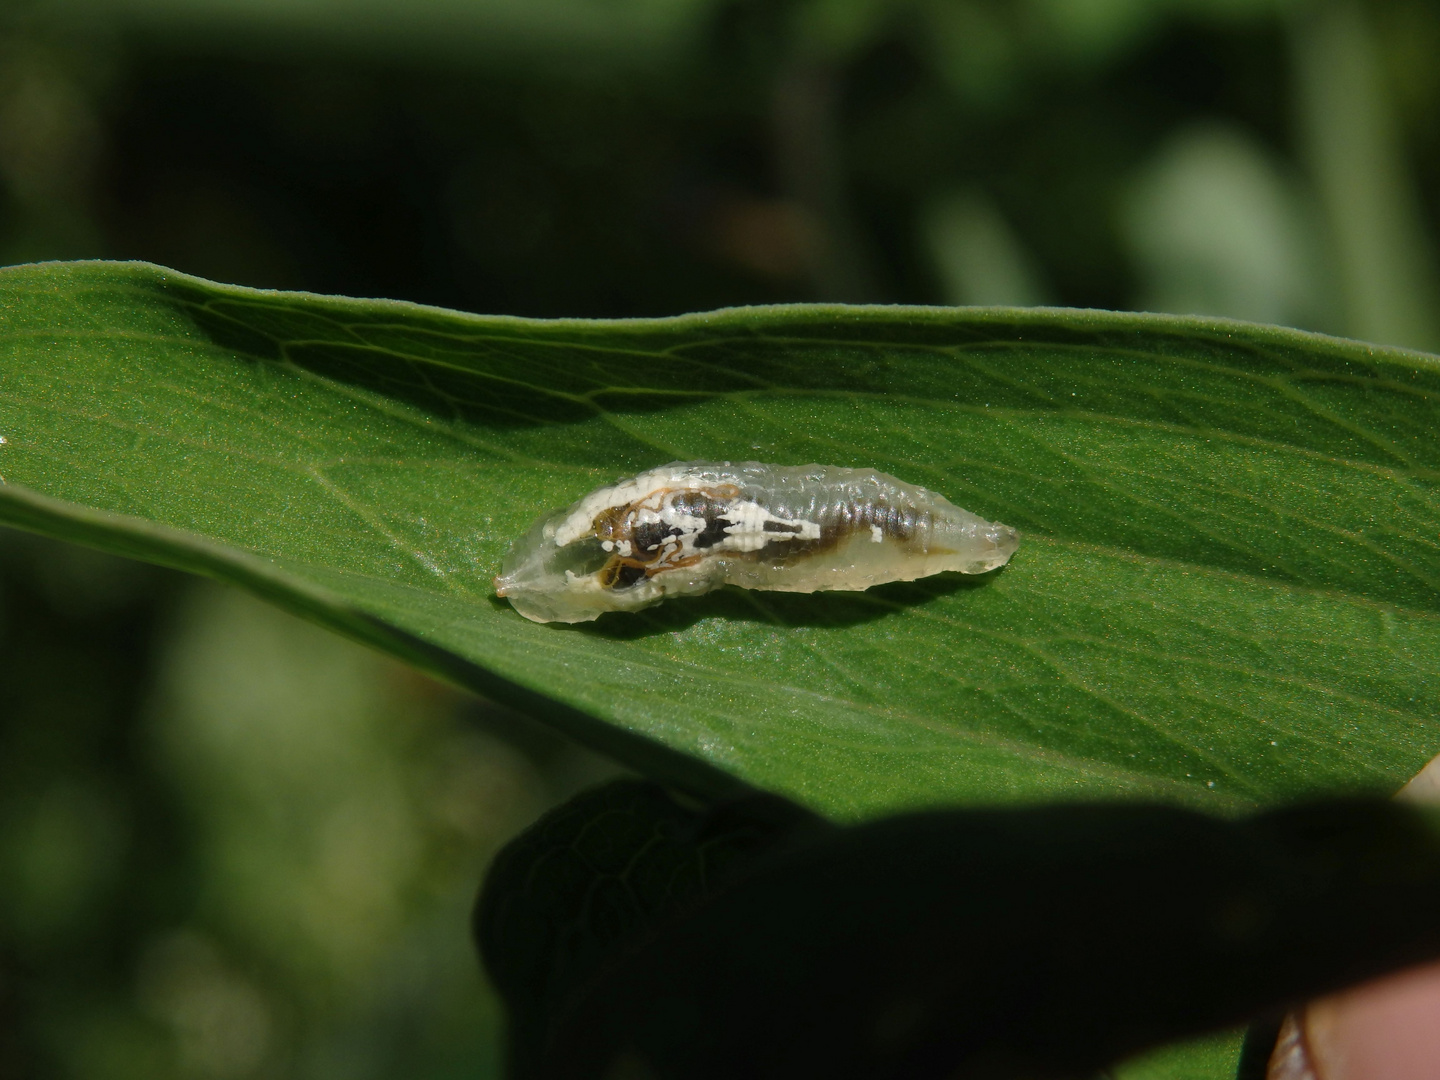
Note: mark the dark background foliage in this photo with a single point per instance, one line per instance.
(232, 846)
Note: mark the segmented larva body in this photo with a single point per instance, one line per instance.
(692, 526)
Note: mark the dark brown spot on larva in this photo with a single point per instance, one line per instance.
(627, 575)
(713, 533)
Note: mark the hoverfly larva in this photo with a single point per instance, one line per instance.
(690, 527)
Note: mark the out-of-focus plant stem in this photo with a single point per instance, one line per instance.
(811, 167)
(1386, 278)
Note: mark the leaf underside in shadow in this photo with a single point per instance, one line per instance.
(1225, 593)
(633, 937)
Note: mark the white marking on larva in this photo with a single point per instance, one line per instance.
(747, 532)
(580, 518)
(690, 527)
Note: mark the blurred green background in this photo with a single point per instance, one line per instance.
(233, 846)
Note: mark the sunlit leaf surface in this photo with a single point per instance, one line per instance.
(1226, 590)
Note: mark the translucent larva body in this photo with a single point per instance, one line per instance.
(692, 526)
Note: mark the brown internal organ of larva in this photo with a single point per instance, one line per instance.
(877, 520)
(643, 546)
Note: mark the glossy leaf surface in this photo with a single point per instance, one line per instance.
(1225, 592)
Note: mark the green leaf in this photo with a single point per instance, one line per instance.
(1042, 941)
(1195, 1059)
(1227, 577)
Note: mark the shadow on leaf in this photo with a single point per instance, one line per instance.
(1043, 943)
(819, 610)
